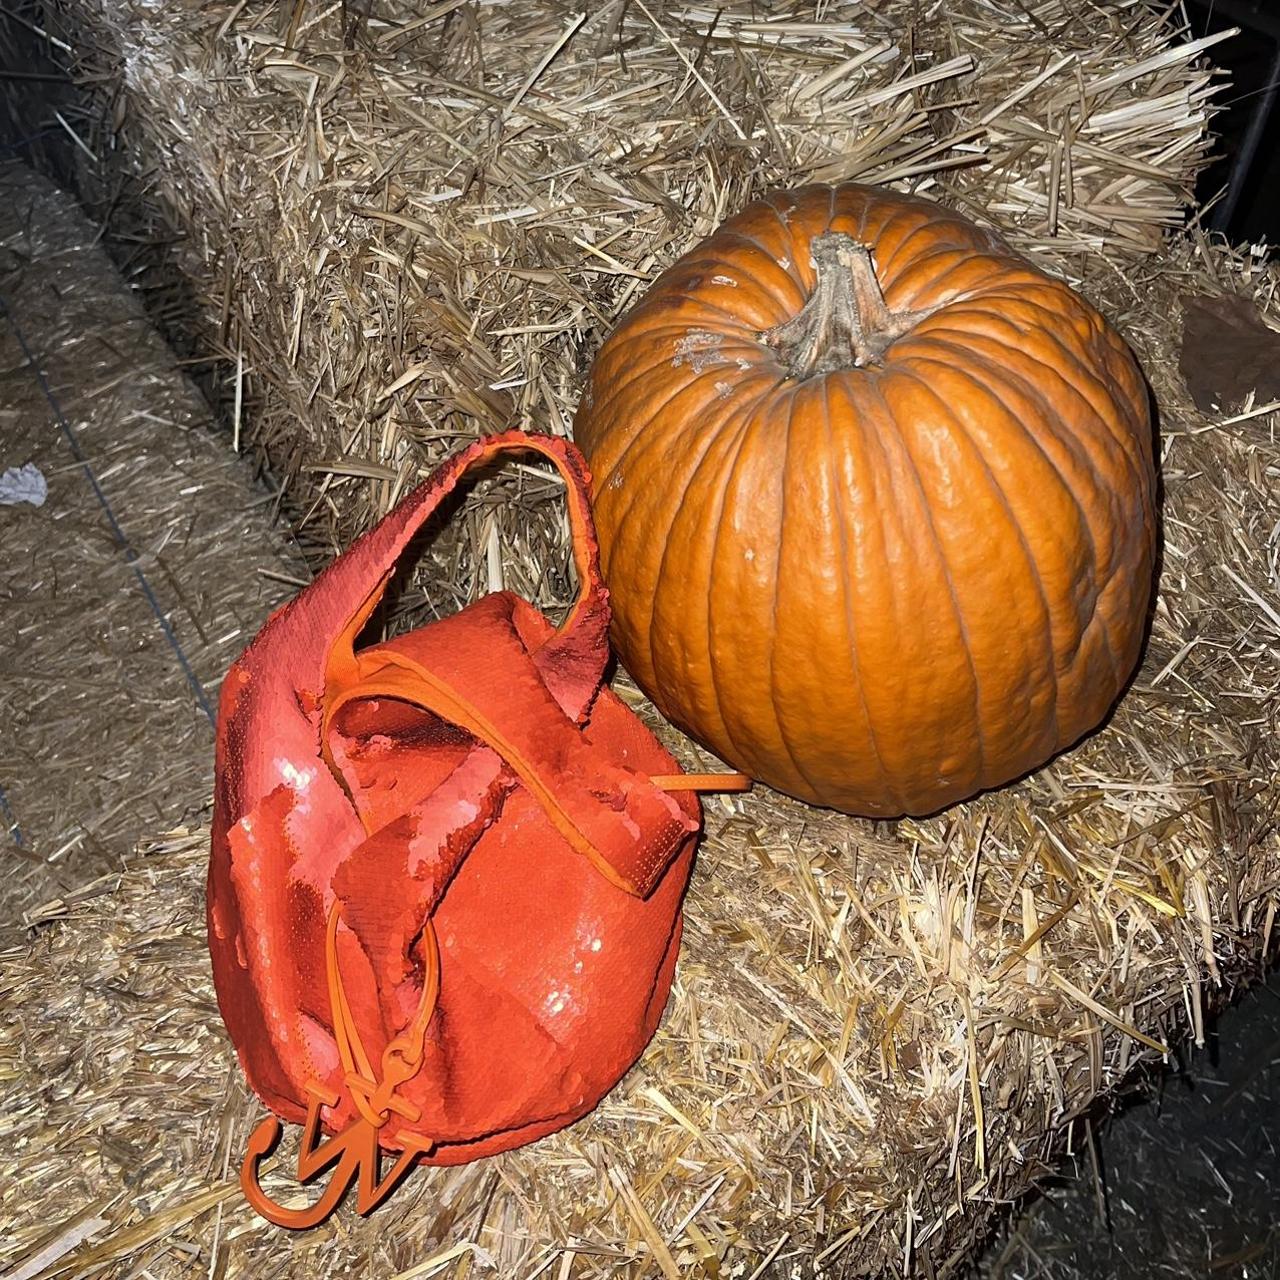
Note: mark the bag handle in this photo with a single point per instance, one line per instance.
(574, 659)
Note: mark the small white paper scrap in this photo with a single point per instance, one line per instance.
(23, 484)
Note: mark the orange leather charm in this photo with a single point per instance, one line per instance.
(455, 855)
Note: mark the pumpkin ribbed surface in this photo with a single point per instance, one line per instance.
(878, 561)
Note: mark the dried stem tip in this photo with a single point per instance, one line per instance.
(846, 324)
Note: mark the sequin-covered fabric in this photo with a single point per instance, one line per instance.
(472, 777)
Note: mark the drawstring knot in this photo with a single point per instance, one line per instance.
(355, 1150)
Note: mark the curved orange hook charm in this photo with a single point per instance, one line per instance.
(355, 1151)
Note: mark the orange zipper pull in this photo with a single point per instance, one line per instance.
(354, 1151)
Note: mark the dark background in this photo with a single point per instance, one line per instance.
(1244, 181)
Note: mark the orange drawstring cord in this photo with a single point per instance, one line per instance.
(702, 781)
(356, 1151)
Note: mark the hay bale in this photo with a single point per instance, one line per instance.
(879, 1033)
(403, 224)
(121, 606)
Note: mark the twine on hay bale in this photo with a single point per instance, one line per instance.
(878, 1033)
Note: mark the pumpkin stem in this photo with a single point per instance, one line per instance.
(846, 324)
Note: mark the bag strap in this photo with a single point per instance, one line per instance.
(573, 660)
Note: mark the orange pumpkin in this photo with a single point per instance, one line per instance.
(876, 501)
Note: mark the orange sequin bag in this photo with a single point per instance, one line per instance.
(446, 874)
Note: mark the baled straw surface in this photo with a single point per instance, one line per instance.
(406, 228)
(878, 1034)
(102, 736)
